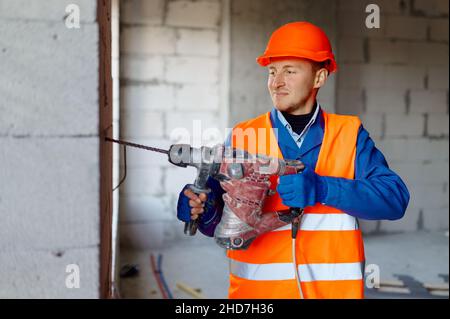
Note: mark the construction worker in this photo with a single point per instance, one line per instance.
(345, 178)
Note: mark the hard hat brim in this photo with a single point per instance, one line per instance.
(264, 59)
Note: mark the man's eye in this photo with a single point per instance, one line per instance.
(290, 72)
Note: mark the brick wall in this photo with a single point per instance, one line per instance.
(49, 150)
(170, 77)
(396, 79)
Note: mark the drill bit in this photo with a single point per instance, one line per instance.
(148, 148)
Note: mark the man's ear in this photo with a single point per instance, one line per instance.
(321, 78)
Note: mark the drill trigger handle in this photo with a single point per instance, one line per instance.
(190, 227)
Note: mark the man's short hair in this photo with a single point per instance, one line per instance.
(319, 65)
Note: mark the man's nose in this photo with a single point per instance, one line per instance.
(278, 81)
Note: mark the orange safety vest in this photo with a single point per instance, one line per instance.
(329, 245)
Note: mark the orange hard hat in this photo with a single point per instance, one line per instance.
(300, 40)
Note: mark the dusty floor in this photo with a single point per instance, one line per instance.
(200, 264)
(196, 262)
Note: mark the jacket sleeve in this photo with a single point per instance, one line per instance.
(376, 192)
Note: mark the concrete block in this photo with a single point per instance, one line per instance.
(142, 68)
(409, 222)
(385, 51)
(50, 196)
(197, 42)
(152, 235)
(198, 14)
(406, 27)
(149, 12)
(326, 96)
(437, 125)
(409, 172)
(351, 49)
(195, 128)
(420, 149)
(190, 70)
(404, 77)
(381, 76)
(435, 172)
(410, 53)
(368, 226)
(431, 7)
(438, 78)
(177, 177)
(436, 219)
(143, 181)
(41, 274)
(197, 97)
(350, 101)
(394, 6)
(43, 94)
(142, 209)
(147, 98)
(138, 158)
(50, 10)
(438, 149)
(426, 53)
(142, 124)
(439, 30)
(353, 5)
(356, 76)
(385, 101)
(386, 6)
(373, 123)
(411, 125)
(353, 24)
(147, 40)
(428, 196)
(428, 101)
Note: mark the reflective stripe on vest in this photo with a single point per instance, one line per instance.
(325, 222)
(307, 272)
(329, 245)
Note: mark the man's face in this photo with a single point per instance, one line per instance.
(290, 83)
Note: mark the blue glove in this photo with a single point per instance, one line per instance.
(184, 210)
(303, 189)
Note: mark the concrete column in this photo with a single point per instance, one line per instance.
(49, 142)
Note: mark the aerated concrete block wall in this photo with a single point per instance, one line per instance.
(171, 68)
(49, 150)
(396, 78)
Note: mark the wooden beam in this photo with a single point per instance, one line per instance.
(105, 129)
